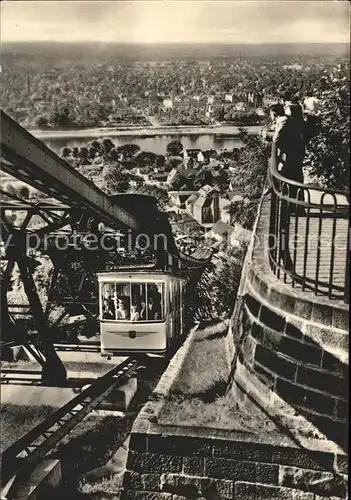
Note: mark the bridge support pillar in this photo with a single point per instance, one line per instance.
(53, 371)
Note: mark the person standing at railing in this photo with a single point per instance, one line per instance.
(289, 147)
(289, 140)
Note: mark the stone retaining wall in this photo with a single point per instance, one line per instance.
(294, 342)
(175, 463)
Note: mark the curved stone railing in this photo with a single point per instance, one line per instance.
(308, 235)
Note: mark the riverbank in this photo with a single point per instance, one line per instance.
(143, 132)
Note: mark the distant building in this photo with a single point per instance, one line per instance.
(228, 98)
(293, 66)
(204, 206)
(220, 231)
(179, 198)
(183, 222)
(240, 106)
(224, 202)
(200, 157)
(167, 103)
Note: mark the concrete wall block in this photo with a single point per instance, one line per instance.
(251, 384)
(271, 339)
(230, 469)
(146, 495)
(248, 451)
(332, 364)
(320, 482)
(327, 337)
(276, 363)
(303, 308)
(272, 319)
(179, 445)
(267, 377)
(294, 329)
(322, 381)
(322, 313)
(342, 464)
(256, 491)
(248, 348)
(267, 473)
(301, 351)
(303, 397)
(194, 465)
(138, 441)
(300, 458)
(133, 480)
(181, 484)
(195, 486)
(253, 305)
(264, 288)
(257, 332)
(153, 462)
(342, 409)
(284, 301)
(340, 318)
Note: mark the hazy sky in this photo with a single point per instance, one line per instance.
(176, 21)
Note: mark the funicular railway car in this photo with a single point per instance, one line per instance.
(141, 312)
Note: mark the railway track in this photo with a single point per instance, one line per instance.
(83, 347)
(19, 459)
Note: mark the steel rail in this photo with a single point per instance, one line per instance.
(20, 457)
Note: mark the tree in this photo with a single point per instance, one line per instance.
(146, 158)
(203, 178)
(252, 166)
(243, 212)
(11, 189)
(224, 286)
(160, 161)
(24, 192)
(107, 145)
(60, 117)
(328, 153)
(65, 152)
(115, 179)
(75, 152)
(96, 145)
(157, 192)
(175, 148)
(84, 155)
(177, 182)
(222, 181)
(42, 121)
(128, 150)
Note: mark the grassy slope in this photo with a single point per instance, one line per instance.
(198, 397)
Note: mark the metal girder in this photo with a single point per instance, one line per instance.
(29, 160)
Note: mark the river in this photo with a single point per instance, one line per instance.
(154, 140)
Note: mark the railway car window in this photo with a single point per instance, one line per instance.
(132, 301)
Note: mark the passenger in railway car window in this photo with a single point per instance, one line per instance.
(143, 310)
(122, 311)
(108, 310)
(153, 290)
(153, 308)
(135, 316)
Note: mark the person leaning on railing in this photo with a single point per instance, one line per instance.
(288, 142)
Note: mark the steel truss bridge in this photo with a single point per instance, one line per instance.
(72, 205)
